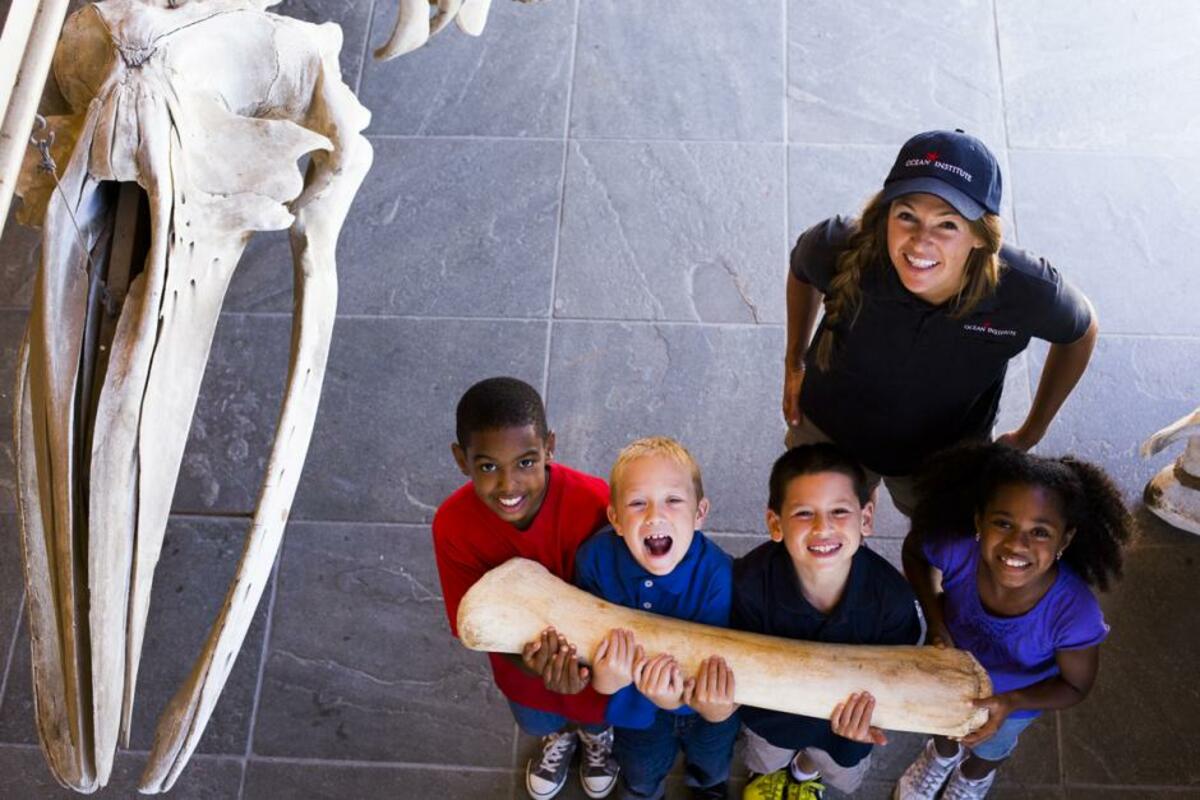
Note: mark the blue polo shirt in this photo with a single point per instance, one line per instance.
(699, 589)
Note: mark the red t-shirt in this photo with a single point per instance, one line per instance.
(469, 539)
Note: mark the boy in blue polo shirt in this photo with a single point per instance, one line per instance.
(658, 561)
(814, 581)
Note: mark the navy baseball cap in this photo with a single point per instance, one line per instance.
(954, 166)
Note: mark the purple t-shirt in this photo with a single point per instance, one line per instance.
(1016, 651)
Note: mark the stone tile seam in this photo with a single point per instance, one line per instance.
(358, 763)
(362, 68)
(465, 137)
(262, 668)
(609, 321)
(1115, 149)
(12, 647)
(561, 212)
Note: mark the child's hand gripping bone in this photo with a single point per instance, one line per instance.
(710, 691)
(660, 680)
(612, 666)
(554, 658)
(851, 719)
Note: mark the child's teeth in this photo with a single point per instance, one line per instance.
(923, 263)
(1015, 562)
(509, 502)
(824, 548)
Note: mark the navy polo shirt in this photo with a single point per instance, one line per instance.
(907, 378)
(877, 607)
(699, 589)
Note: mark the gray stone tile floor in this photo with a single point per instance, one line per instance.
(599, 197)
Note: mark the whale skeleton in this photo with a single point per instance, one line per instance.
(1174, 493)
(173, 133)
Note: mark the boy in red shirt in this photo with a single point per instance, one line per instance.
(520, 504)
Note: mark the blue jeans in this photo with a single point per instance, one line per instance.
(1001, 744)
(544, 723)
(646, 756)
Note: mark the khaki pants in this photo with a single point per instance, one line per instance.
(763, 757)
(900, 487)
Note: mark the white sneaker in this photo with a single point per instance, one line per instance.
(598, 769)
(926, 774)
(546, 775)
(963, 788)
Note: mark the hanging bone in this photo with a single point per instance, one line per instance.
(185, 124)
(923, 689)
(414, 26)
(1174, 493)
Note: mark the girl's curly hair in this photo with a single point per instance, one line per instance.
(957, 484)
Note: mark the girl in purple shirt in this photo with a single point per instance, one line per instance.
(1017, 539)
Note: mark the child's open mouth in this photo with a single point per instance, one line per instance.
(511, 503)
(1014, 562)
(824, 549)
(658, 544)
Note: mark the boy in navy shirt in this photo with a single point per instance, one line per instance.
(814, 582)
(654, 559)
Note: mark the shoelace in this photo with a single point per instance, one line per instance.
(928, 778)
(555, 751)
(596, 749)
(959, 791)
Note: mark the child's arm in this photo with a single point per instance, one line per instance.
(612, 665)
(851, 719)
(1078, 672)
(710, 693)
(659, 680)
(921, 574)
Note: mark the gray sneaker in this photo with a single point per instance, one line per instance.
(546, 775)
(961, 788)
(598, 769)
(926, 774)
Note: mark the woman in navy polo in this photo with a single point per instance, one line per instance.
(924, 307)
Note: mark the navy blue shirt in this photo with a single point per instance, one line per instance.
(699, 589)
(877, 607)
(908, 378)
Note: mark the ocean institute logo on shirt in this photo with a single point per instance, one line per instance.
(931, 159)
(987, 329)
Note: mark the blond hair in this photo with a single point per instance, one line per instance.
(656, 447)
(868, 243)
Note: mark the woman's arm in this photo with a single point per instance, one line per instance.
(1064, 365)
(803, 303)
(923, 577)
(1078, 670)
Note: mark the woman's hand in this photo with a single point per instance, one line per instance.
(710, 692)
(851, 719)
(793, 380)
(999, 707)
(660, 680)
(1022, 438)
(613, 665)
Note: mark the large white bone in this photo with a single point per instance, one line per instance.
(214, 143)
(1174, 493)
(923, 689)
